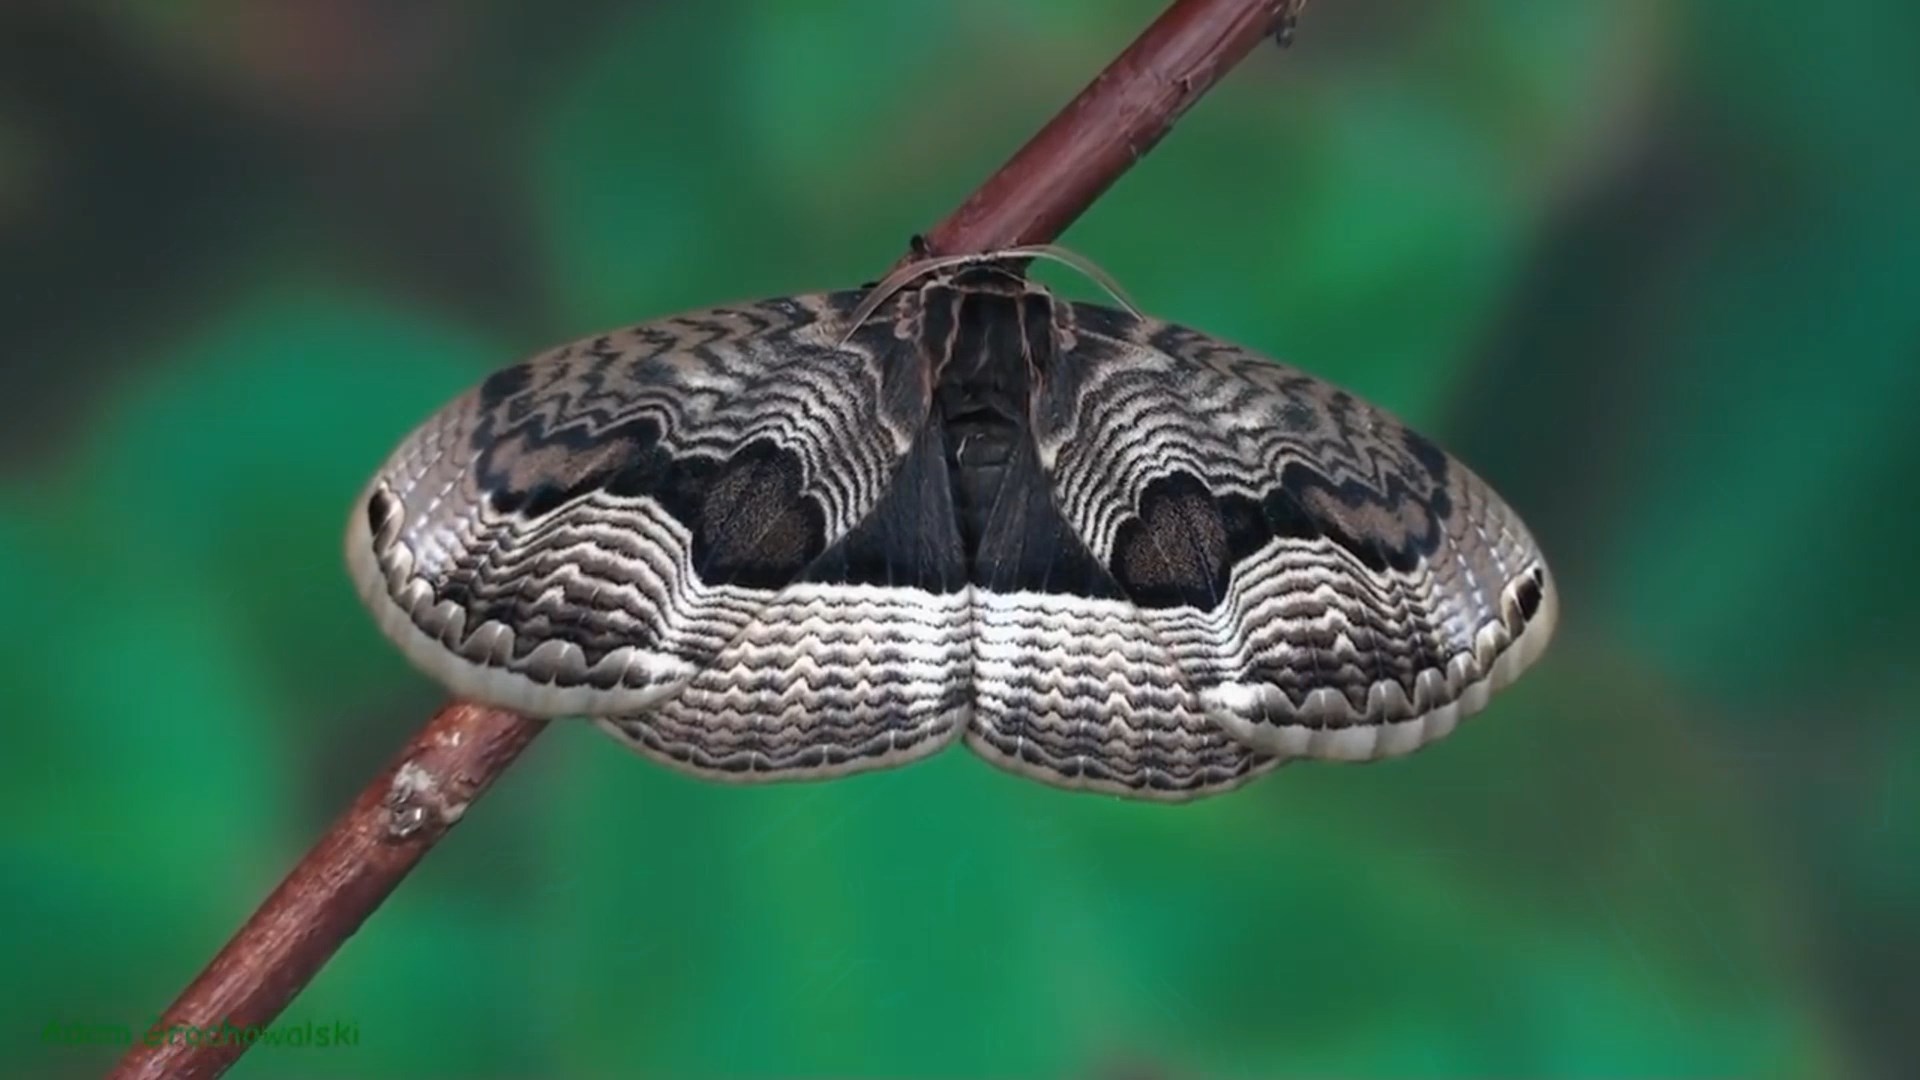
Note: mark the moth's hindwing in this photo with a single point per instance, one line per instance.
(1328, 582)
(1071, 687)
(585, 532)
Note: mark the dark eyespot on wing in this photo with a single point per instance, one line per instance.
(751, 524)
(1182, 546)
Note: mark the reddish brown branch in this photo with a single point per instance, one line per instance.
(412, 804)
(1113, 123)
(396, 820)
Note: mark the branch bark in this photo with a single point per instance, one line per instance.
(424, 792)
(391, 826)
(1120, 116)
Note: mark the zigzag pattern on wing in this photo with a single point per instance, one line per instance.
(829, 679)
(584, 531)
(713, 381)
(1075, 691)
(1310, 564)
(1071, 687)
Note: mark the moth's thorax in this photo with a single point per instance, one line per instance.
(986, 334)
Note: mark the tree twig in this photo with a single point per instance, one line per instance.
(395, 821)
(420, 796)
(1121, 115)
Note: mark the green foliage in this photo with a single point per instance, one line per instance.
(1681, 847)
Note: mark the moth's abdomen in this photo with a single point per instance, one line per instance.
(979, 453)
(984, 337)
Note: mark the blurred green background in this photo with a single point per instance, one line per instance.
(1648, 265)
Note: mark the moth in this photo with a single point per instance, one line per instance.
(828, 533)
